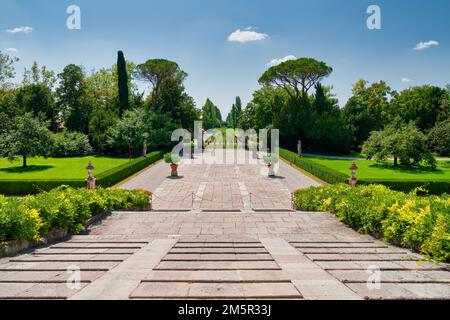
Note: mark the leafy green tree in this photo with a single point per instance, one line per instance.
(70, 144)
(38, 99)
(402, 142)
(439, 138)
(233, 117)
(28, 137)
(210, 117)
(7, 70)
(122, 78)
(297, 77)
(159, 72)
(73, 98)
(99, 124)
(423, 105)
(8, 108)
(367, 110)
(38, 75)
(128, 131)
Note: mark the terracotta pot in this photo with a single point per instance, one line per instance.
(271, 172)
(174, 168)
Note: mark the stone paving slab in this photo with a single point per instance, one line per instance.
(217, 265)
(207, 290)
(218, 276)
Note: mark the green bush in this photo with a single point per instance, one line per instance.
(333, 176)
(105, 179)
(418, 223)
(326, 174)
(63, 208)
(70, 144)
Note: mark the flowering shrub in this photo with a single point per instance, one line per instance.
(408, 220)
(63, 208)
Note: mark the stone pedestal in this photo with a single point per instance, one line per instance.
(90, 183)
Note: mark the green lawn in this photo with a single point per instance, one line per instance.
(372, 170)
(56, 168)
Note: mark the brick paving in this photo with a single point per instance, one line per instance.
(194, 250)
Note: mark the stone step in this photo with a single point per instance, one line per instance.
(212, 290)
(47, 291)
(217, 245)
(71, 258)
(217, 265)
(403, 291)
(383, 265)
(218, 250)
(217, 257)
(351, 250)
(218, 276)
(46, 276)
(395, 276)
(361, 257)
(57, 266)
(339, 246)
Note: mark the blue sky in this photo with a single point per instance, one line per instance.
(195, 34)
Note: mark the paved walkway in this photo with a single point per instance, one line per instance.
(202, 254)
(238, 186)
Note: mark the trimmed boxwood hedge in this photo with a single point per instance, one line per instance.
(105, 179)
(322, 172)
(333, 176)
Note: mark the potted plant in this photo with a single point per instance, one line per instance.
(270, 160)
(173, 160)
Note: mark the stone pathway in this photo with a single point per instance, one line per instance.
(208, 252)
(239, 186)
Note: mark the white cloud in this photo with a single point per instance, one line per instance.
(247, 35)
(276, 62)
(425, 45)
(12, 50)
(406, 80)
(23, 29)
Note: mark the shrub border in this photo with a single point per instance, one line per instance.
(333, 176)
(105, 179)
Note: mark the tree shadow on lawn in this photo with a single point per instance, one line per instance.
(405, 169)
(25, 170)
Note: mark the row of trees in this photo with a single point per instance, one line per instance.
(293, 99)
(103, 108)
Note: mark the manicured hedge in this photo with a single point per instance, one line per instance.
(120, 173)
(416, 222)
(333, 176)
(63, 208)
(105, 179)
(322, 172)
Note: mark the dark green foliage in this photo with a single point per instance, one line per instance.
(70, 144)
(27, 137)
(423, 105)
(73, 98)
(39, 100)
(210, 115)
(367, 110)
(402, 142)
(322, 172)
(122, 78)
(439, 138)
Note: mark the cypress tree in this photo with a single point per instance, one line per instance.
(122, 82)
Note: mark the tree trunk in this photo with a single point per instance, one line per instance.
(395, 161)
(24, 161)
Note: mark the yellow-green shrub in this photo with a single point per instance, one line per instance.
(412, 221)
(63, 208)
